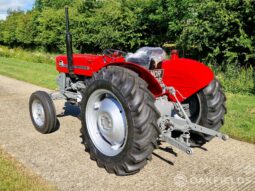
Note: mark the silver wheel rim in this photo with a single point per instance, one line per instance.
(106, 122)
(38, 113)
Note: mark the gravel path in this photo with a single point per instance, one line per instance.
(61, 160)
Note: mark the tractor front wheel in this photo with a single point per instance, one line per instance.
(119, 118)
(42, 112)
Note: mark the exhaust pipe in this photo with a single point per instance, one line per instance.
(69, 49)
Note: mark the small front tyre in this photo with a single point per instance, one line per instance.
(42, 112)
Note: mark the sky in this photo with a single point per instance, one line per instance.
(14, 5)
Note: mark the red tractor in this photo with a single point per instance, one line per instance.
(130, 102)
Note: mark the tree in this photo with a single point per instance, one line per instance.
(27, 30)
(9, 27)
(56, 4)
(210, 30)
(51, 29)
(221, 32)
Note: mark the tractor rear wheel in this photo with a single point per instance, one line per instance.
(119, 118)
(207, 108)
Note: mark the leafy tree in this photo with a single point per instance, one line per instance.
(222, 32)
(114, 25)
(51, 29)
(56, 4)
(27, 30)
(209, 30)
(9, 27)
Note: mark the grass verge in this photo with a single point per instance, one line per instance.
(37, 73)
(240, 119)
(31, 56)
(13, 176)
(239, 123)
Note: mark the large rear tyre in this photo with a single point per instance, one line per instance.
(119, 118)
(207, 108)
(42, 112)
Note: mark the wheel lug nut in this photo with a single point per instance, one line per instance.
(96, 106)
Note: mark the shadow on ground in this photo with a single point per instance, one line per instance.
(74, 110)
(70, 110)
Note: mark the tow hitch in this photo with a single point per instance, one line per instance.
(169, 124)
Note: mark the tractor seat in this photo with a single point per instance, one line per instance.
(146, 56)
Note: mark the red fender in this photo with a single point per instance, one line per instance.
(186, 76)
(153, 84)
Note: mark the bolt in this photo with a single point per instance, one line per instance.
(96, 106)
(189, 151)
(225, 137)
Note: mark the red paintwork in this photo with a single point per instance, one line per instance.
(94, 62)
(185, 75)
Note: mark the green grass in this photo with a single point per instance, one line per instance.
(14, 177)
(240, 119)
(37, 73)
(31, 56)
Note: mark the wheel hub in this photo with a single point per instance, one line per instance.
(38, 112)
(106, 122)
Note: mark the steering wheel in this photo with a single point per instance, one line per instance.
(113, 53)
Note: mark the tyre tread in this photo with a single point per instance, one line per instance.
(141, 105)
